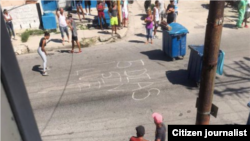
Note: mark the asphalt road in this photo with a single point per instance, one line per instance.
(107, 90)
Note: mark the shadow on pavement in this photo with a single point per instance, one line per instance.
(64, 51)
(140, 35)
(158, 55)
(180, 77)
(103, 32)
(37, 68)
(237, 74)
(136, 41)
(55, 40)
(206, 6)
(229, 26)
(143, 16)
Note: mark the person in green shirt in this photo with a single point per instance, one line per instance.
(241, 10)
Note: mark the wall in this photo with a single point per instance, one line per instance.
(9, 3)
(24, 17)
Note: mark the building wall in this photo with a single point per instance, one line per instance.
(9, 3)
(24, 16)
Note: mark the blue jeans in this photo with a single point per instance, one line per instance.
(149, 33)
(10, 29)
(64, 29)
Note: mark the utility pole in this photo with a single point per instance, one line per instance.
(119, 12)
(210, 58)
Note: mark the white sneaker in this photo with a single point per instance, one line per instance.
(45, 74)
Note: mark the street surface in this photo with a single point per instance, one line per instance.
(107, 90)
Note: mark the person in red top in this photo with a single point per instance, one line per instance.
(100, 8)
(140, 131)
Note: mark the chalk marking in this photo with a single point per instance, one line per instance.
(138, 77)
(140, 86)
(149, 93)
(115, 89)
(77, 72)
(129, 64)
(81, 84)
(110, 75)
(127, 72)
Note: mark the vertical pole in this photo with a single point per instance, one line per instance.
(211, 51)
(119, 12)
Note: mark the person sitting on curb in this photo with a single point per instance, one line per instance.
(140, 131)
(160, 133)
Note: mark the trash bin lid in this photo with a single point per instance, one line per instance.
(197, 48)
(177, 29)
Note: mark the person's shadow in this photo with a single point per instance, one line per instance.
(37, 68)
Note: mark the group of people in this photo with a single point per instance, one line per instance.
(160, 132)
(112, 10)
(244, 13)
(64, 24)
(159, 12)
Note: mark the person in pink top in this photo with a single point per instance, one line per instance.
(149, 26)
(160, 132)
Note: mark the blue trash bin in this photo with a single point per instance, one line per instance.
(49, 5)
(49, 21)
(195, 62)
(174, 41)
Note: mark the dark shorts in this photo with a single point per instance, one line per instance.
(156, 24)
(79, 4)
(74, 38)
(247, 15)
(87, 3)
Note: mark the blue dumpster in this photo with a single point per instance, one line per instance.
(49, 21)
(73, 4)
(195, 62)
(49, 5)
(174, 41)
(106, 15)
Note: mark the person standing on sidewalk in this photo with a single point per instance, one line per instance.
(62, 24)
(140, 131)
(9, 24)
(74, 39)
(87, 4)
(42, 52)
(247, 13)
(124, 12)
(170, 12)
(176, 9)
(79, 7)
(113, 20)
(156, 17)
(149, 26)
(162, 8)
(160, 133)
(241, 10)
(100, 8)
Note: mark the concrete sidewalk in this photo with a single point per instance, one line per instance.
(95, 34)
